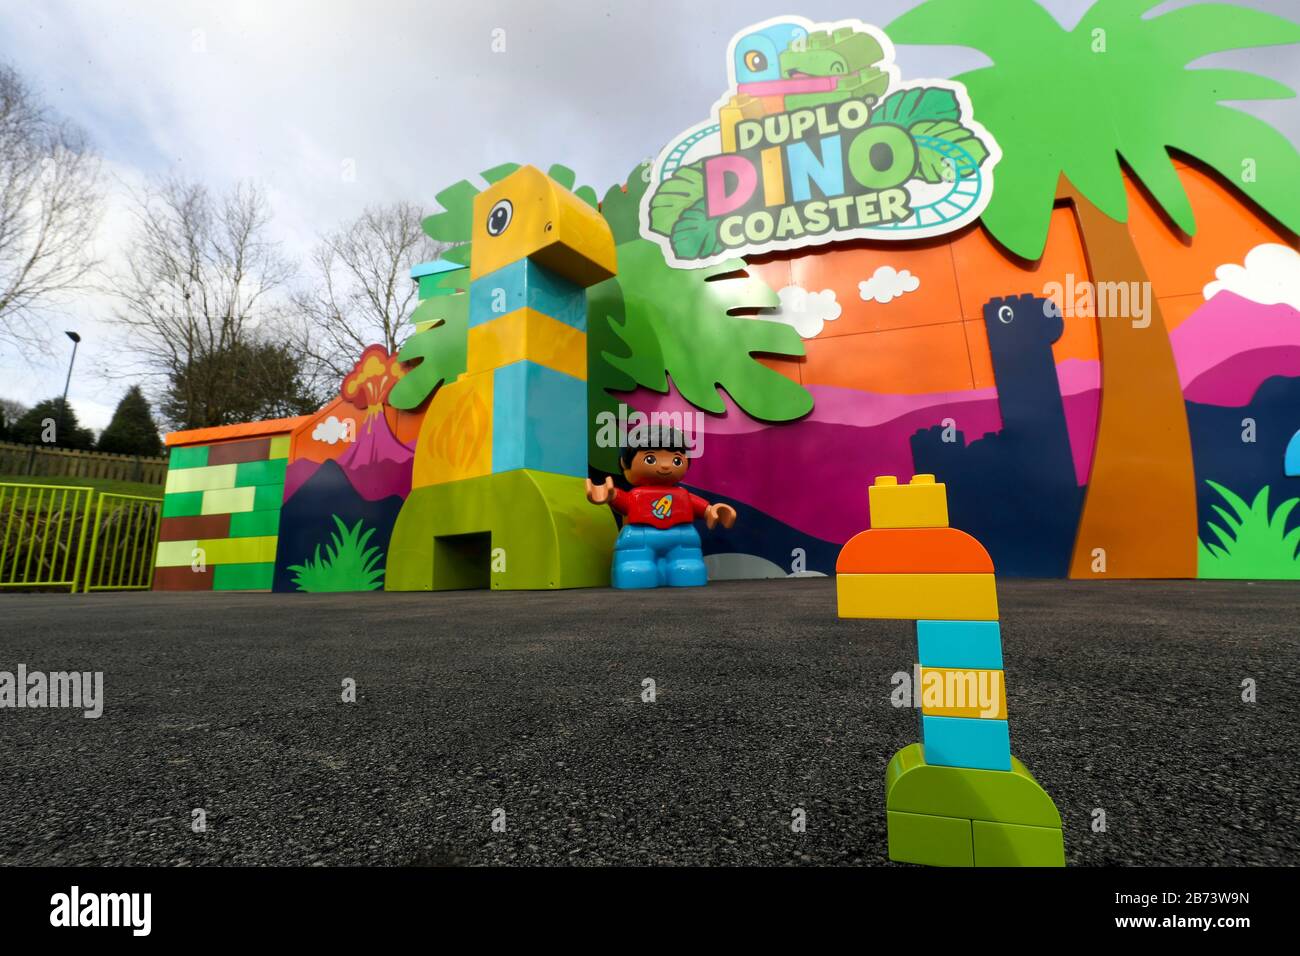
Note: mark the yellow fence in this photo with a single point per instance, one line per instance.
(123, 543)
(38, 461)
(44, 534)
(44, 543)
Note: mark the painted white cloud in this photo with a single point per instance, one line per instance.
(1270, 276)
(806, 312)
(887, 283)
(332, 430)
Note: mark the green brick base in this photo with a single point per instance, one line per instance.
(243, 577)
(930, 841)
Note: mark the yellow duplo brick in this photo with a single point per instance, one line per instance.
(526, 334)
(228, 501)
(175, 554)
(279, 447)
(455, 439)
(259, 550)
(539, 219)
(962, 692)
(927, 597)
(209, 478)
(921, 504)
(742, 107)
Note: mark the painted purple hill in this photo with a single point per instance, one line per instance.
(1228, 347)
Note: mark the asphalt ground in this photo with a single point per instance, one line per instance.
(1125, 698)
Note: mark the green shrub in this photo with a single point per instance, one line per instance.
(1252, 543)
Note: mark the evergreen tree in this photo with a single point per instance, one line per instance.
(132, 430)
(52, 423)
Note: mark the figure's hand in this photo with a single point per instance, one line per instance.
(600, 494)
(720, 514)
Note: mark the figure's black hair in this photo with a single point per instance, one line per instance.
(669, 440)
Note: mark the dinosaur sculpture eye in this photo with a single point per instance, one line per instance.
(499, 218)
(1006, 314)
(755, 61)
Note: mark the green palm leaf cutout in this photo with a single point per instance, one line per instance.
(655, 322)
(1115, 87)
(621, 206)
(440, 352)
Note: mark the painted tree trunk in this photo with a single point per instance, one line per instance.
(1142, 462)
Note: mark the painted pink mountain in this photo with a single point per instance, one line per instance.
(1230, 345)
(848, 438)
(296, 475)
(377, 464)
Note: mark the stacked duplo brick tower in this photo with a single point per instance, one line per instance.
(958, 798)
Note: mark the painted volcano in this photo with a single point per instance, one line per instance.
(377, 464)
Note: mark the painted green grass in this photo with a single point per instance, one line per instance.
(348, 564)
(1252, 542)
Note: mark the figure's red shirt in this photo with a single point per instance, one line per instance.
(660, 506)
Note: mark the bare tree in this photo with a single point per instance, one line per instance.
(49, 210)
(362, 291)
(203, 307)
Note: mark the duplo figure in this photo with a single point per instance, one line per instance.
(658, 544)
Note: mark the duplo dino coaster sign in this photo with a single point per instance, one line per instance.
(817, 140)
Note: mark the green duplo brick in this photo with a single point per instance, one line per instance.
(243, 577)
(268, 498)
(930, 841)
(269, 472)
(253, 524)
(183, 505)
(192, 456)
(1008, 844)
(279, 447)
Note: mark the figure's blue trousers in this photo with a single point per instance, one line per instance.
(648, 557)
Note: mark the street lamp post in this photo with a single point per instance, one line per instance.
(63, 405)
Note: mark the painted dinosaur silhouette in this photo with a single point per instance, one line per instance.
(1014, 489)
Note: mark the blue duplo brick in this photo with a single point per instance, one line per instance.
(973, 644)
(966, 742)
(538, 420)
(526, 284)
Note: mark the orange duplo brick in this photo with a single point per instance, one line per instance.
(913, 551)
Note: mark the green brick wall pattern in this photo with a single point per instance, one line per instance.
(243, 480)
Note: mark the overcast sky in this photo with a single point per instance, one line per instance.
(409, 94)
